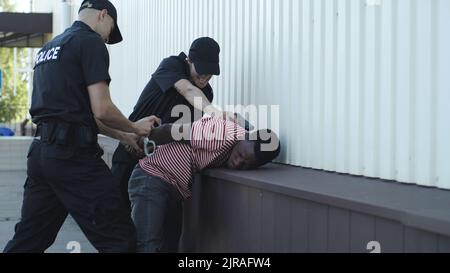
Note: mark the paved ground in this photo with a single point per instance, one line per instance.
(11, 190)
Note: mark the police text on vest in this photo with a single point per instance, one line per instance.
(48, 55)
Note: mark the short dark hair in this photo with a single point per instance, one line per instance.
(267, 145)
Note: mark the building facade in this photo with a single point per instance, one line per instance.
(361, 85)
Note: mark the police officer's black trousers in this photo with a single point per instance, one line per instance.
(62, 181)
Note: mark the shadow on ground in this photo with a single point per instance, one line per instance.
(11, 191)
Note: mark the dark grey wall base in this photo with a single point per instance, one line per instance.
(290, 209)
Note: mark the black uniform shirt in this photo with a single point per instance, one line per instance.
(64, 68)
(160, 96)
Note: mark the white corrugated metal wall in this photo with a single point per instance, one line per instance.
(363, 86)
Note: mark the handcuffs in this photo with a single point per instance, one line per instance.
(147, 143)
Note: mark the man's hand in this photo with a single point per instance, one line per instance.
(215, 112)
(134, 145)
(233, 117)
(137, 154)
(144, 126)
(131, 140)
(230, 116)
(241, 121)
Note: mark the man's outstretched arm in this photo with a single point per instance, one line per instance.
(124, 137)
(168, 133)
(163, 134)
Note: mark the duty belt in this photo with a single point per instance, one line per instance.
(66, 134)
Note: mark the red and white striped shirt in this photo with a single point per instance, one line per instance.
(212, 140)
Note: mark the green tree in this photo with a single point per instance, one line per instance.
(13, 107)
(6, 5)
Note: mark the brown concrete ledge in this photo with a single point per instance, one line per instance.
(415, 206)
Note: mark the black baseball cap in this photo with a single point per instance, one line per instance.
(204, 53)
(115, 36)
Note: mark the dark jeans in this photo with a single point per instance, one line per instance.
(157, 211)
(61, 181)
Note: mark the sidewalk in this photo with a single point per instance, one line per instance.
(11, 191)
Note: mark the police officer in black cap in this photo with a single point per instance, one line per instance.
(70, 105)
(179, 81)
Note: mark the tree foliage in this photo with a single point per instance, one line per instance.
(13, 107)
